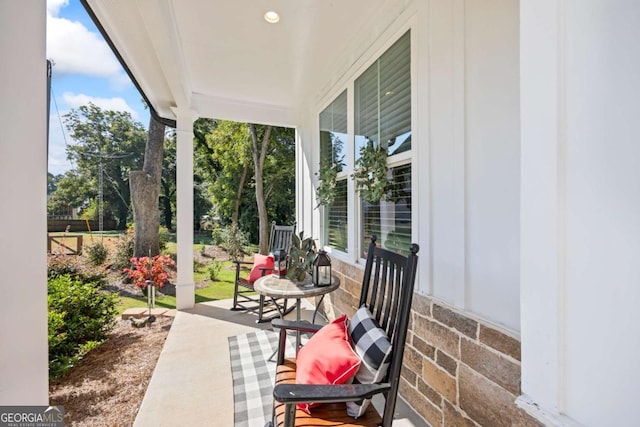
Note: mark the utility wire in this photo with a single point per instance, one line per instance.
(64, 134)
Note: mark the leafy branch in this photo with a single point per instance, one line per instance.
(370, 173)
(326, 191)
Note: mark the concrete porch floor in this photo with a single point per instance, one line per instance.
(192, 385)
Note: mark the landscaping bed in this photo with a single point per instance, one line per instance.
(108, 385)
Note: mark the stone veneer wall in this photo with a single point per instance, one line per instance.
(458, 371)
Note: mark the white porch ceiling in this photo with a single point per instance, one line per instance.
(223, 60)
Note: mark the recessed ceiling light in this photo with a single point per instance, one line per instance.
(271, 17)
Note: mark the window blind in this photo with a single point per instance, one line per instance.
(333, 139)
(336, 218)
(390, 220)
(333, 131)
(383, 100)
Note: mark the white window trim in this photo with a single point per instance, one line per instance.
(353, 200)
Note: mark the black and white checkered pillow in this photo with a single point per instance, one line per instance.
(372, 345)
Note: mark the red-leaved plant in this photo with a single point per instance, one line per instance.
(162, 268)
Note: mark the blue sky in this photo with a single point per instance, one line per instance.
(85, 71)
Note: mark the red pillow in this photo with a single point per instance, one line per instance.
(327, 358)
(259, 262)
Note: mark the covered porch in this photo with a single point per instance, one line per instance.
(519, 159)
(192, 383)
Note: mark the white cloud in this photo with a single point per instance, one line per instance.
(76, 50)
(116, 104)
(58, 162)
(54, 6)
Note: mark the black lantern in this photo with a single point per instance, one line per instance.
(322, 269)
(280, 263)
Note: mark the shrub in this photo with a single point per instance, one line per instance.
(97, 253)
(214, 268)
(159, 269)
(124, 251)
(234, 242)
(163, 237)
(80, 317)
(197, 265)
(61, 265)
(216, 235)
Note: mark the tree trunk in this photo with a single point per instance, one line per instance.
(259, 153)
(167, 212)
(236, 203)
(145, 193)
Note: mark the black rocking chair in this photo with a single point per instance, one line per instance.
(244, 297)
(387, 291)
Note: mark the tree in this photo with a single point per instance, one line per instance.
(52, 182)
(145, 193)
(201, 202)
(168, 181)
(113, 140)
(259, 146)
(72, 191)
(224, 157)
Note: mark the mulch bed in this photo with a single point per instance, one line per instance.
(107, 387)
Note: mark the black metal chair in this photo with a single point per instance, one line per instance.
(387, 291)
(244, 297)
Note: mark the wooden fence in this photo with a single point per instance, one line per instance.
(65, 245)
(76, 225)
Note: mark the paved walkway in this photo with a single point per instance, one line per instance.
(191, 384)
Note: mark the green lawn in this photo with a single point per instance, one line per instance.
(221, 288)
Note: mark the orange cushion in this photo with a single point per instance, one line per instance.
(327, 358)
(259, 262)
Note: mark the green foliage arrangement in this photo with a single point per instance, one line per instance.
(326, 191)
(97, 253)
(214, 268)
(301, 256)
(80, 316)
(370, 173)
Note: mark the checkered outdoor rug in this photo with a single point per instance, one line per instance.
(253, 375)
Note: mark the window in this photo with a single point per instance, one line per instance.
(333, 139)
(390, 219)
(383, 117)
(383, 100)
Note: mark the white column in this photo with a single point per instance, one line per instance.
(580, 204)
(185, 289)
(541, 204)
(23, 181)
